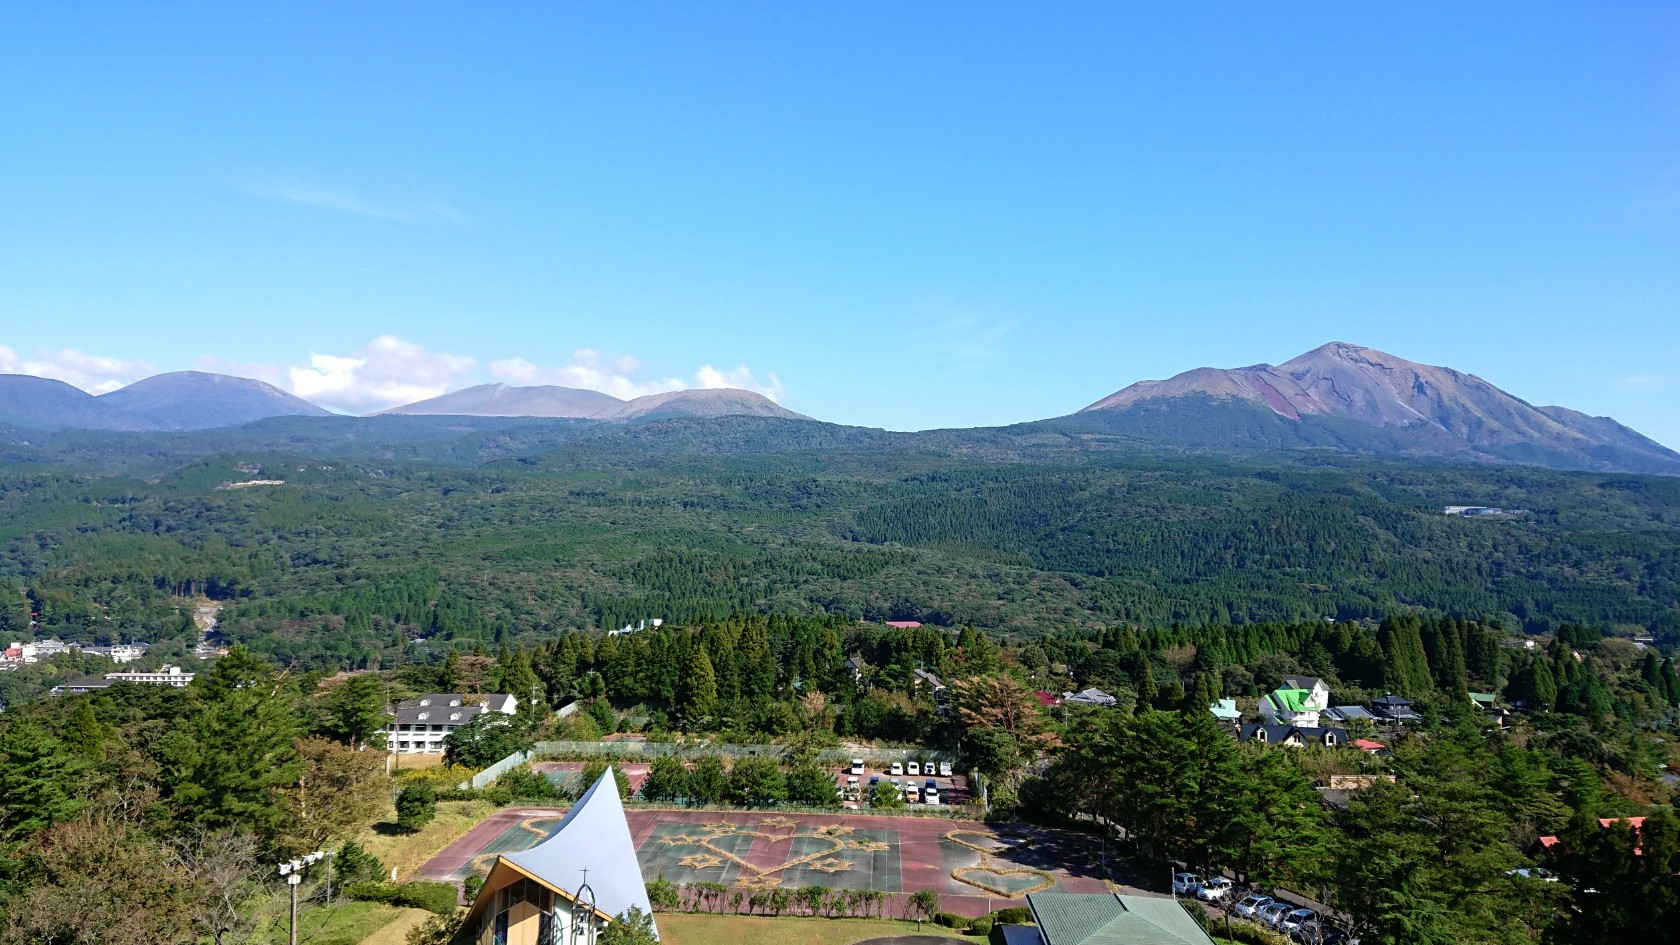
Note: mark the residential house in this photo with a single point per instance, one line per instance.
(1349, 713)
(1295, 736)
(1289, 707)
(1370, 747)
(1225, 710)
(1318, 694)
(922, 677)
(904, 624)
(419, 726)
(1091, 696)
(1393, 708)
(567, 888)
(1111, 919)
(1046, 700)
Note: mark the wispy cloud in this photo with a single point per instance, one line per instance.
(968, 340)
(346, 201)
(94, 373)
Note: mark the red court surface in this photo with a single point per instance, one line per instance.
(762, 850)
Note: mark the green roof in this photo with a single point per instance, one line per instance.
(1486, 697)
(1291, 700)
(1111, 919)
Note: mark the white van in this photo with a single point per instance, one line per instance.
(857, 765)
(913, 768)
(896, 768)
(944, 769)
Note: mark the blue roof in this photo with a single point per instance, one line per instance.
(594, 836)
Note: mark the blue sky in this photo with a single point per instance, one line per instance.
(901, 215)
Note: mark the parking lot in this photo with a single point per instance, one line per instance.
(951, 789)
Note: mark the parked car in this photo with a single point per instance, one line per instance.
(1294, 919)
(944, 769)
(931, 797)
(1214, 889)
(1185, 884)
(1316, 931)
(897, 768)
(857, 765)
(910, 796)
(1248, 906)
(1273, 912)
(913, 768)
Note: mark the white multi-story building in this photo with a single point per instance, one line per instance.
(419, 726)
(171, 676)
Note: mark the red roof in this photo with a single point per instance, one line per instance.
(1548, 842)
(904, 624)
(1365, 744)
(1637, 822)
(1046, 699)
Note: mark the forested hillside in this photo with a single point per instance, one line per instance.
(505, 531)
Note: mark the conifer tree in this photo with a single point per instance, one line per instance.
(697, 695)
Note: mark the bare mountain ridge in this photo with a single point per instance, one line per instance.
(1329, 394)
(502, 400)
(182, 400)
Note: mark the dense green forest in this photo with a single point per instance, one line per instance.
(509, 530)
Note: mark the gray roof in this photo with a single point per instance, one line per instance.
(1303, 682)
(438, 698)
(1112, 919)
(1276, 734)
(435, 714)
(594, 836)
(1347, 713)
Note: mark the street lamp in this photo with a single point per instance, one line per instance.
(293, 871)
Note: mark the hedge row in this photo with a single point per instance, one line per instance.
(440, 898)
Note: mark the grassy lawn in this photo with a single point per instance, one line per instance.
(407, 851)
(687, 929)
(346, 923)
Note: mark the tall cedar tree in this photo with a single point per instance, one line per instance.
(233, 751)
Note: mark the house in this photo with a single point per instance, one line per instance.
(1295, 736)
(1091, 696)
(904, 624)
(171, 676)
(1289, 707)
(1392, 708)
(857, 667)
(1112, 919)
(579, 879)
(1225, 710)
(1370, 747)
(419, 725)
(922, 677)
(1349, 713)
(1046, 700)
(1318, 693)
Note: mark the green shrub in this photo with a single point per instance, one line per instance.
(472, 886)
(980, 926)
(1015, 915)
(951, 920)
(416, 806)
(440, 898)
(1250, 934)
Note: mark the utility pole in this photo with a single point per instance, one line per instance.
(293, 871)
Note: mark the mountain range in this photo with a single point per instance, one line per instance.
(502, 400)
(1338, 397)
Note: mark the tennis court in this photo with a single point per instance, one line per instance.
(974, 867)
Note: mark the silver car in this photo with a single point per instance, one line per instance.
(1249, 906)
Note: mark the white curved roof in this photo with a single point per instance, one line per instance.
(594, 836)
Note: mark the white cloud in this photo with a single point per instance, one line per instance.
(347, 201)
(94, 373)
(589, 369)
(385, 372)
(739, 378)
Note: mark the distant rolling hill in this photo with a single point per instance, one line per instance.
(502, 400)
(1346, 397)
(185, 400)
